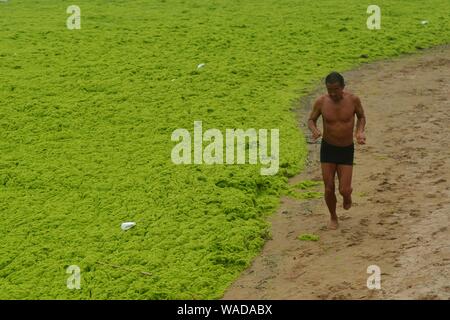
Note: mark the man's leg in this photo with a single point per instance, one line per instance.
(328, 173)
(344, 173)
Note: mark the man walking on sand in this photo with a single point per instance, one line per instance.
(338, 109)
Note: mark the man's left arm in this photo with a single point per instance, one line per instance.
(360, 123)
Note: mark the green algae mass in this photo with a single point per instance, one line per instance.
(86, 119)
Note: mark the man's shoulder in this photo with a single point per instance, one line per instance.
(320, 100)
(352, 97)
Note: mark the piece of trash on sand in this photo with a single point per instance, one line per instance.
(424, 22)
(127, 225)
(201, 65)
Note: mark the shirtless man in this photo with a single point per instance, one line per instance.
(338, 109)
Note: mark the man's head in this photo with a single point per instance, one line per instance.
(335, 85)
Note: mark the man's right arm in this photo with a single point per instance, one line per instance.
(314, 115)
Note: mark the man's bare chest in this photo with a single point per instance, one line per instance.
(343, 112)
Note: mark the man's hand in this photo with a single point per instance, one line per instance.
(316, 134)
(361, 137)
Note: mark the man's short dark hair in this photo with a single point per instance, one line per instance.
(335, 77)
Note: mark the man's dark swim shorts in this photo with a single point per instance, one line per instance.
(335, 154)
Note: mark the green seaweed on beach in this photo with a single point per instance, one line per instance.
(307, 184)
(308, 237)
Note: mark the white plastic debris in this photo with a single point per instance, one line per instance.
(424, 22)
(201, 65)
(127, 225)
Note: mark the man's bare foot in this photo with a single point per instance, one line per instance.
(333, 224)
(347, 203)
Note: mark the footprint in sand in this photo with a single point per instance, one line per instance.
(414, 213)
(355, 238)
(364, 222)
(441, 180)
